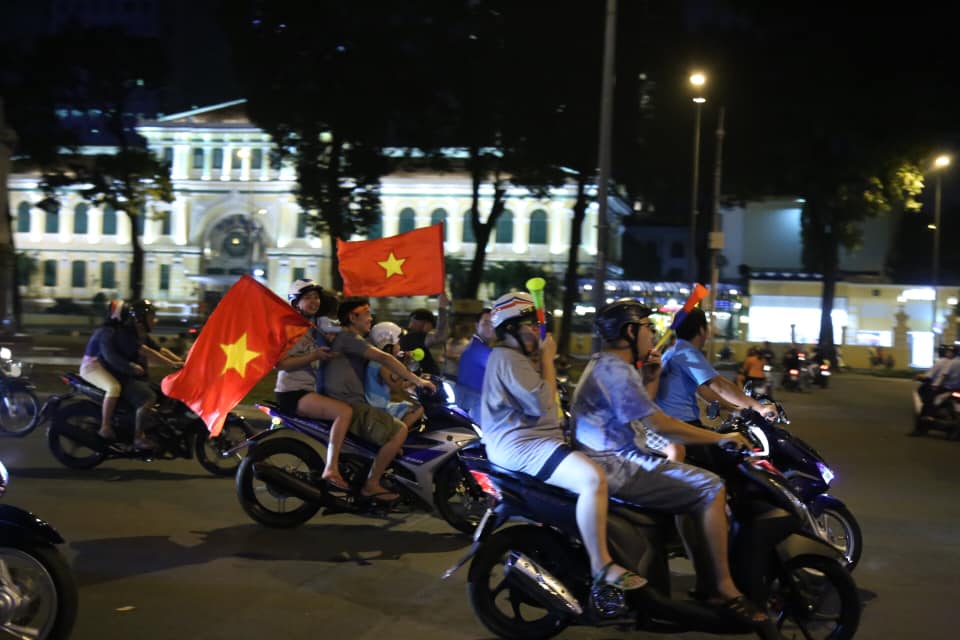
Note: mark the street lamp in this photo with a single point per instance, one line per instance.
(941, 163)
(697, 80)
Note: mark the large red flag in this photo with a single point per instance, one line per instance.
(248, 332)
(409, 264)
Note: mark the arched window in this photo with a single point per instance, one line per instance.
(468, 235)
(439, 216)
(408, 220)
(53, 221)
(505, 227)
(78, 274)
(49, 273)
(109, 220)
(108, 275)
(676, 250)
(23, 217)
(538, 227)
(80, 218)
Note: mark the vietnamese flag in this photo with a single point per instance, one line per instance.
(247, 334)
(409, 264)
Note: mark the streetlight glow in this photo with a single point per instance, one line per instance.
(942, 161)
(699, 100)
(698, 79)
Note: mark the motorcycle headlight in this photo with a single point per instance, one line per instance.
(5, 353)
(767, 367)
(448, 389)
(825, 472)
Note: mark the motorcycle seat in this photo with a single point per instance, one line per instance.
(525, 483)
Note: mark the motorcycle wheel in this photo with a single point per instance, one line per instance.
(209, 451)
(68, 452)
(457, 497)
(267, 504)
(500, 604)
(813, 597)
(844, 531)
(38, 577)
(19, 410)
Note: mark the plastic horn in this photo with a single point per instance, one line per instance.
(535, 286)
(699, 293)
(417, 354)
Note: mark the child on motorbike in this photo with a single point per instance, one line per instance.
(296, 381)
(522, 429)
(380, 383)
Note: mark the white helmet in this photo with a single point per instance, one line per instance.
(512, 305)
(384, 333)
(299, 288)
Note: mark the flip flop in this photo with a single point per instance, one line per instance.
(337, 488)
(742, 610)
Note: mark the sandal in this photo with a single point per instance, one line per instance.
(626, 581)
(337, 487)
(384, 497)
(743, 611)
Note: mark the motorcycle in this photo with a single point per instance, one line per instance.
(279, 482)
(180, 433)
(19, 408)
(38, 596)
(940, 411)
(533, 579)
(807, 474)
(820, 373)
(796, 373)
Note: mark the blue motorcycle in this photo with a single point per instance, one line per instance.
(279, 481)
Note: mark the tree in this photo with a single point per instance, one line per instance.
(132, 181)
(326, 80)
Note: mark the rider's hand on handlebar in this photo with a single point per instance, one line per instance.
(735, 442)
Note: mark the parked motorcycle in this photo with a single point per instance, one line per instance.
(532, 580)
(279, 482)
(180, 433)
(941, 412)
(38, 596)
(808, 475)
(19, 408)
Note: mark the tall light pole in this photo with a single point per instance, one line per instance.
(697, 80)
(941, 163)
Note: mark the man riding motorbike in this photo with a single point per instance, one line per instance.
(124, 350)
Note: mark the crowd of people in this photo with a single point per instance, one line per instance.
(634, 410)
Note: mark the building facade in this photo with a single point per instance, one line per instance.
(235, 213)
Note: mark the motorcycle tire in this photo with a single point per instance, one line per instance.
(19, 412)
(267, 504)
(40, 575)
(844, 532)
(209, 450)
(81, 415)
(458, 498)
(814, 597)
(500, 605)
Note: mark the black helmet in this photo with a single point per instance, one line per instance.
(140, 309)
(612, 318)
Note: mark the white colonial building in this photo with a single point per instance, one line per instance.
(235, 213)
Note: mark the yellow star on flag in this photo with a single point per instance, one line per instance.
(238, 356)
(393, 265)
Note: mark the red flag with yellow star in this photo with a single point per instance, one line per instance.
(245, 336)
(409, 264)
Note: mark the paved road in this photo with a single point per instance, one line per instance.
(172, 543)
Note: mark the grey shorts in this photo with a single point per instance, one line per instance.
(653, 482)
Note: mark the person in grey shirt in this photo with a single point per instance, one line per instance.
(522, 429)
(344, 381)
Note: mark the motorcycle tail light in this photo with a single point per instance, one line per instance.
(794, 372)
(955, 394)
(486, 483)
(824, 367)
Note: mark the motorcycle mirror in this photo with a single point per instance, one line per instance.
(781, 414)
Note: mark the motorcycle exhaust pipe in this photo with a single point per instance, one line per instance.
(540, 585)
(287, 483)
